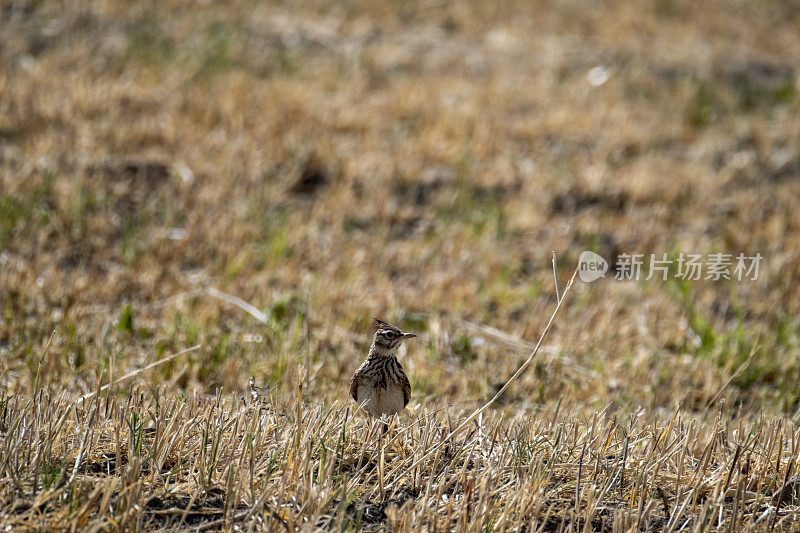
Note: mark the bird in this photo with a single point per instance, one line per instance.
(379, 385)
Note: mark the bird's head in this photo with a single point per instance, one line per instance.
(388, 338)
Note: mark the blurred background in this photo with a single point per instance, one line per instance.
(417, 161)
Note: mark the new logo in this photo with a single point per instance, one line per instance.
(591, 266)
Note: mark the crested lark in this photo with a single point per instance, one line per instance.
(379, 384)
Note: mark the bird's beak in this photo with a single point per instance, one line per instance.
(408, 336)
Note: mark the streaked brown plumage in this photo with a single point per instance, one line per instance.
(379, 384)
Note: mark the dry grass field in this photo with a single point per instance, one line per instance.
(242, 185)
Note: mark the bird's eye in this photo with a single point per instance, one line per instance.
(389, 334)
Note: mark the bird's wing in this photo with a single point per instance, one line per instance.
(354, 387)
(406, 388)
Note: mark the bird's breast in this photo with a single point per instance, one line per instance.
(379, 401)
